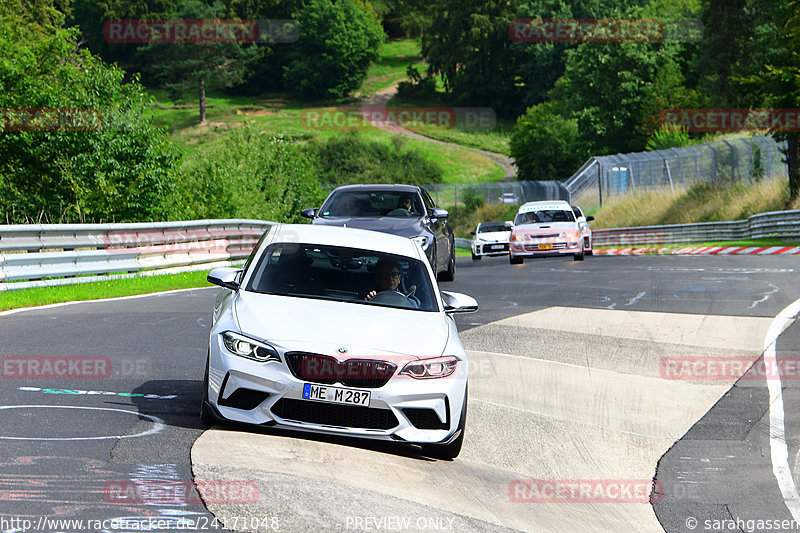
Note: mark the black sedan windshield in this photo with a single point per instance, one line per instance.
(372, 204)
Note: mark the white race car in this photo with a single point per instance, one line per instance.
(490, 238)
(339, 331)
(586, 231)
(544, 229)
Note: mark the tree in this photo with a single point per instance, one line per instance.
(545, 145)
(782, 84)
(90, 153)
(467, 44)
(336, 44)
(617, 90)
(204, 65)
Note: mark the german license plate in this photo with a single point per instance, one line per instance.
(545, 246)
(497, 247)
(324, 393)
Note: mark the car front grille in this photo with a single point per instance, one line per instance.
(490, 248)
(359, 373)
(325, 414)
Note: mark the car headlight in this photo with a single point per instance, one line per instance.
(422, 241)
(238, 344)
(576, 235)
(563, 235)
(438, 367)
(518, 237)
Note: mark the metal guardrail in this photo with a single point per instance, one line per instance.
(37, 251)
(776, 224)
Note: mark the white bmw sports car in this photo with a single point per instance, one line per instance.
(339, 331)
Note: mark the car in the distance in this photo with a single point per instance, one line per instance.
(490, 239)
(309, 336)
(378, 208)
(509, 198)
(543, 229)
(586, 231)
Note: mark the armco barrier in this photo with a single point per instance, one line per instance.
(37, 251)
(777, 224)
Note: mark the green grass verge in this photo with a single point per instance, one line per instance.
(463, 252)
(100, 290)
(496, 140)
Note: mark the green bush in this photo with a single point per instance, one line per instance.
(545, 145)
(116, 166)
(668, 136)
(252, 175)
(348, 158)
(337, 42)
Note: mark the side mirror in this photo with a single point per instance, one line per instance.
(439, 213)
(224, 277)
(509, 225)
(455, 302)
(589, 218)
(311, 212)
(472, 232)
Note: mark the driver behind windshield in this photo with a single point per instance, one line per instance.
(386, 278)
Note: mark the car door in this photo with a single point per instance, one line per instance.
(439, 228)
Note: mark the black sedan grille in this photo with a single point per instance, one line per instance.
(360, 373)
(347, 416)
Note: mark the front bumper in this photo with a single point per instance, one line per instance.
(490, 248)
(550, 249)
(404, 409)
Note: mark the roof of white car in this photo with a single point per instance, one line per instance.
(542, 206)
(348, 237)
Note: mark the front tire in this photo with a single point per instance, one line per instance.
(450, 451)
(450, 273)
(515, 260)
(475, 257)
(578, 257)
(207, 415)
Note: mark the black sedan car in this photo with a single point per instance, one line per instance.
(405, 210)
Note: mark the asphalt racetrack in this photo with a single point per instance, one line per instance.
(588, 381)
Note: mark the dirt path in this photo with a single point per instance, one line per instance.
(381, 100)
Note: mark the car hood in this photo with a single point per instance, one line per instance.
(403, 226)
(494, 236)
(547, 227)
(324, 327)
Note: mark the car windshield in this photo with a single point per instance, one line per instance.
(372, 204)
(491, 227)
(544, 216)
(343, 274)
